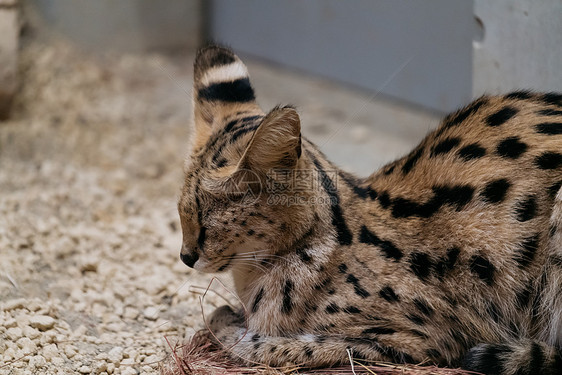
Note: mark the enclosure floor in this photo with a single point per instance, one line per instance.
(90, 171)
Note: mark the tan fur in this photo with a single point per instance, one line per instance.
(455, 245)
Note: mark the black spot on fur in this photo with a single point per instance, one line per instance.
(523, 95)
(549, 112)
(458, 117)
(554, 189)
(552, 98)
(251, 232)
(421, 265)
(342, 268)
(352, 310)
(227, 264)
(538, 359)
(243, 121)
(358, 289)
(389, 170)
(448, 262)
(221, 163)
(390, 251)
(255, 337)
(528, 250)
(239, 133)
(257, 300)
(387, 247)
(301, 249)
(355, 184)
(550, 128)
(378, 331)
(388, 294)
(552, 230)
(434, 354)
(368, 237)
(308, 352)
(305, 257)
(483, 269)
(526, 209)
(423, 307)
(452, 256)
(445, 146)
(501, 116)
(412, 160)
(472, 151)
(332, 308)
(416, 319)
(287, 305)
(549, 160)
(384, 199)
(486, 359)
(239, 90)
(495, 191)
(344, 235)
(457, 196)
(418, 333)
(494, 311)
(201, 238)
(511, 148)
(323, 284)
(451, 300)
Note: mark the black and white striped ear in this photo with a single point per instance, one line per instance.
(221, 88)
(276, 144)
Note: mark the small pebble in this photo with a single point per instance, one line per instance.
(37, 361)
(42, 322)
(26, 345)
(150, 313)
(100, 366)
(13, 304)
(115, 355)
(14, 333)
(110, 368)
(85, 370)
(32, 333)
(70, 351)
(128, 371)
(50, 351)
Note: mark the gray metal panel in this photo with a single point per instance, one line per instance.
(361, 42)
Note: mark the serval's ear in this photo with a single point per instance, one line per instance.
(276, 144)
(221, 88)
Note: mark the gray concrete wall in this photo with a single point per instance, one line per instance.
(418, 51)
(125, 25)
(521, 46)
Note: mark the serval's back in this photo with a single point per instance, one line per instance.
(451, 254)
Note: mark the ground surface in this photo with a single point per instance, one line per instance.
(90, 168)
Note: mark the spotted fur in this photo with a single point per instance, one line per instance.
(451, 254)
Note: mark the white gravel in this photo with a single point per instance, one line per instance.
(90, 168)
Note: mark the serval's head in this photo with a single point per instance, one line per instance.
(232, 208)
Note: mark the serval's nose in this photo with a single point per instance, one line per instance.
(188, 257)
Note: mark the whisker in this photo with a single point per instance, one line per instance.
(251, 266)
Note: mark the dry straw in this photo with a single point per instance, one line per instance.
(202, 356)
